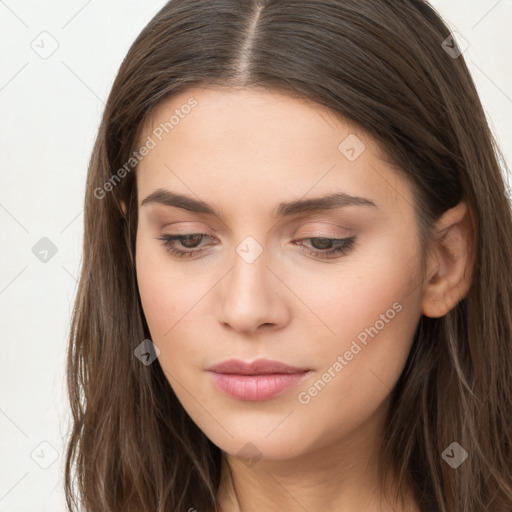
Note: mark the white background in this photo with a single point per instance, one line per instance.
(50, 113)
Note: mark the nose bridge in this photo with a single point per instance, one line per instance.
(250, 296)
(249, 277)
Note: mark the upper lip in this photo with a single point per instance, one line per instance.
(257, 367)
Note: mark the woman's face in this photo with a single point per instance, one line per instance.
(259, 276)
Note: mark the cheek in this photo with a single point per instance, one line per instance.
(367, 315)
(165, 292)
(157, 297)
(373, 318)
(173, 301)
(354, 295)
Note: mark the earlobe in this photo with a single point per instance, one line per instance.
(450, 262)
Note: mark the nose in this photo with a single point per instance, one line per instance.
(252, 296)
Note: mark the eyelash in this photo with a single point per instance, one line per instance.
(345, 245)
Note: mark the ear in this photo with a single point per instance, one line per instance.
(450, 262)
(123, 206)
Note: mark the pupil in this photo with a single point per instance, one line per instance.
(188, 238)
(324, 243)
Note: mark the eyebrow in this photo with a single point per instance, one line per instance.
(328, 202)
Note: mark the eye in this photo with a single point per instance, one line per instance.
(329, 247)
(189, 241)
(322, 247)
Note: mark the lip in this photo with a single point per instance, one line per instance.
(257, 367)
(260, 380)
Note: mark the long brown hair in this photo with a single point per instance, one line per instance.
(392, 68)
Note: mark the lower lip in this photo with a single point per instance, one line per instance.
(256, 387)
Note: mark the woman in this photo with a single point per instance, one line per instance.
(295, 292)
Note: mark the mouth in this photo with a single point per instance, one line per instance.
(257, 381)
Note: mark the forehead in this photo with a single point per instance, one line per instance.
(265, 142)
(219, 110)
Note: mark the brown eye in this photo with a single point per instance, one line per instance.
(328, 247)
(190, 241)
(322, 243)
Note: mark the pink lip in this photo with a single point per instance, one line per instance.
(260, 380)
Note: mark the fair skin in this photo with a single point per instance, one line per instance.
(245, 152)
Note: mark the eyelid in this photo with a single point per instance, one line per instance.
(319, 224)
(322, 233)
(187, 228)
